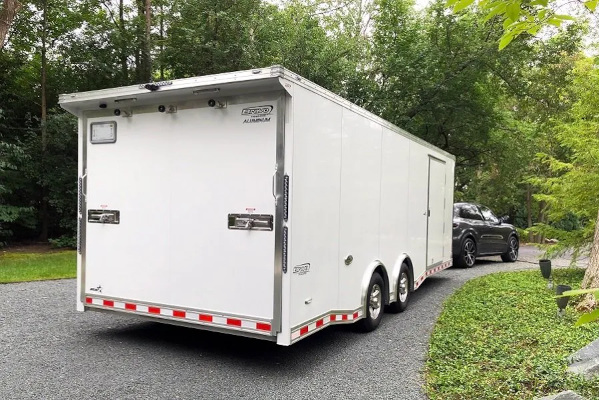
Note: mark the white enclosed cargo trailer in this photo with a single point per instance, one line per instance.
(255, 203)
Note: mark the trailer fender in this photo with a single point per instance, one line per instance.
(374, 266)
(396, 275)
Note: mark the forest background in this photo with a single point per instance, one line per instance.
(521, 121)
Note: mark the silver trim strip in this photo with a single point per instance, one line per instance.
(492, 237)
(84, 144)
(278, 256)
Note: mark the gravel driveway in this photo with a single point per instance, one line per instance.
(49, 351)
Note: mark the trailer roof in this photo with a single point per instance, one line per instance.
(222, 85)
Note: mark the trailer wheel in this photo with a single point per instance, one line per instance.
(402, 291)
(374, 304)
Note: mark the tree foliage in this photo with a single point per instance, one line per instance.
(521, 16)
(570, 188)
(436, 74)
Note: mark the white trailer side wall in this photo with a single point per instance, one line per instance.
(359, 204)
(417, 206)
(315, 204)
(395, 197)
(357, 188)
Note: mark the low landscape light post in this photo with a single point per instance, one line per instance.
(546, 269)
(562, 302)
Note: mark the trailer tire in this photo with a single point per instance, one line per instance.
(402, 291)
(374, 303)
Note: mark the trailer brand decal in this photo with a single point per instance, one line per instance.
(302, 269)
(96, 289)
(191, 316)
(257, 114)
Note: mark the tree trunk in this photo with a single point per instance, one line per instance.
(143, 57)
(529, 224)
(123, 45)
(7, 15)
(542, 220)
(44, 130)
(148, 56)
(590, 279)
(162, 42)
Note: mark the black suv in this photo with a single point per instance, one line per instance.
(476, 232)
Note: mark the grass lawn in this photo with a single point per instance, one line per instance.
(498, 337)
(20, 267)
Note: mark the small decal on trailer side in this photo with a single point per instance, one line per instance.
(96, 289)
(257, 114)
(302, 269)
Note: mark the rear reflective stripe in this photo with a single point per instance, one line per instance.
(339, 317)
(205, 318)
(432, 271)
(264, 328)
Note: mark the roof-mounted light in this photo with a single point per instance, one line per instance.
(203, 91)
(126, 100)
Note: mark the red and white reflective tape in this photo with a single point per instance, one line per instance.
(326, 320)
(428, 273)
(197, 317)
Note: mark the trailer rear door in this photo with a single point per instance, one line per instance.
(179, 181)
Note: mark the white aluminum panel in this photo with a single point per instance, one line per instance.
(417, 206)
(359, 205)
(395, 175)
(437, 211)
(315, 200)
(449, 209)
(175, 178)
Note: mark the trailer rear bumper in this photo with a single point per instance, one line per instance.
(241, 325)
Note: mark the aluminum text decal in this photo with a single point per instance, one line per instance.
(257, 114)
